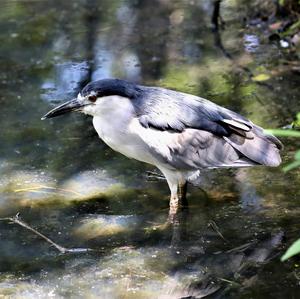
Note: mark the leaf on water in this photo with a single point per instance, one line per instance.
(292, 250)
(261, 77)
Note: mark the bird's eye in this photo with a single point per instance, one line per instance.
(92, 98)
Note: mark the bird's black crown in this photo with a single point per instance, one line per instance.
(109, 87)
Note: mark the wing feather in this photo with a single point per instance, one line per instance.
(193, 149)
(205, 134)
(237, 124)
(165, 109)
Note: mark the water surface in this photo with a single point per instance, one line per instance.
(70, 186)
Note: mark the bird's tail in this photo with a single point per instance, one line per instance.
(257, 146)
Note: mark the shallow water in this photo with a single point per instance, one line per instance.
(71, 187)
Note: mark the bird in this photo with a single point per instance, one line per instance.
(179, 133)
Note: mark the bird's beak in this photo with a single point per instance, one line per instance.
(69, 106)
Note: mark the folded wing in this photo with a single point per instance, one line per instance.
(204, 134)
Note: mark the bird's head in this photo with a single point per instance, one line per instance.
(91, 98)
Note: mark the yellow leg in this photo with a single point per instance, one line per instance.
(177, 201)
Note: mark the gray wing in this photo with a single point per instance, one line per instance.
(219, 137)
(195, 149)
(166, 109)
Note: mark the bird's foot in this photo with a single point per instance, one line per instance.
(174, 208)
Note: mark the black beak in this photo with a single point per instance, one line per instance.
(69, 106)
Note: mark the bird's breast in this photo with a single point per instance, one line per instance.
(118, 134)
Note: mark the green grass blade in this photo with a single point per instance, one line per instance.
(292, 250)
(283, 133)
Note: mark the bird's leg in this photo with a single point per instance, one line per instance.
(182, 189)
(174, 206)
(178, 213)
(178, 226)
(177, 201)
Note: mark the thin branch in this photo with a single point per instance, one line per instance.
(155, 176)
(214, 226)
(33, 189)
(61, 249)
(240, 248)
(229, 281)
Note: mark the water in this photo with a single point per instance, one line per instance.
(68, 185)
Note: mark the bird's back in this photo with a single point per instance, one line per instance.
(213, 134)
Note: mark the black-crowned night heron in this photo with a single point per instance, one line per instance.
(177, 132)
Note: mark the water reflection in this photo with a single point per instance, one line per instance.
(67, 184)
(67, 78)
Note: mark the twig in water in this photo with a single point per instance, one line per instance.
(155, 176)
(214, 226)
(61, 249)
(37, 188)
(239, 248)
(229, 281)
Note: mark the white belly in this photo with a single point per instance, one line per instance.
(120, 137)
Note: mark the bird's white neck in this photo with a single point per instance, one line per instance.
(111, 119)
(117, 125)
